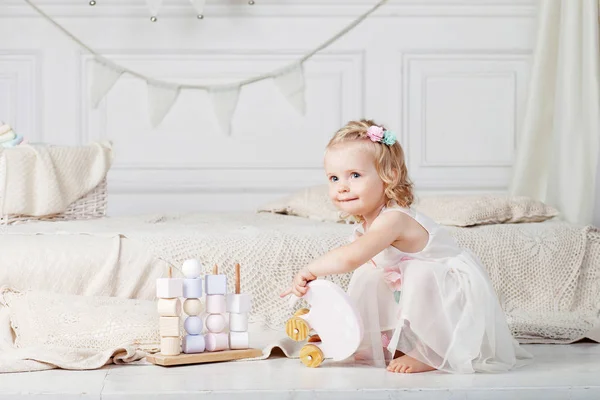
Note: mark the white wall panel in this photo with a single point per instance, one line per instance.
(450, 77)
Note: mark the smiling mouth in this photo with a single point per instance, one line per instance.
(347, 200)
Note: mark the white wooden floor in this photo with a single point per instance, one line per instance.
(559, 372)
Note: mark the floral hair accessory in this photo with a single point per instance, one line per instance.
(389, 138)
(378, 134)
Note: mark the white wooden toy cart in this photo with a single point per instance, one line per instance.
(337, 325)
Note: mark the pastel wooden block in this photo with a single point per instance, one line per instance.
(239, 303)
(238, 340)
(215, 304)
(169, 307)
(216, 284)
(192, 306)
(170, 346)
(238, 322)
(169, 288)
(193, 325)
(192, 288)
(191, 269)
(169, 326)
(193, 344)
(215, 323)
(216, 341)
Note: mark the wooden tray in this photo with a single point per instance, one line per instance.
(199, 358)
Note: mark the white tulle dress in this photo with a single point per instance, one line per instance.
(437, 306)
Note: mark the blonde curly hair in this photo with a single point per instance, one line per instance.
(389, 161)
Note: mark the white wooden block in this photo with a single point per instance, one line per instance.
(193, 344)
(169, 288)
(192, 306)
(216, 341)
(193, 325)
(170, 346)
(239, 303)
(192, 288)
(169, 326)
(169, 307)
(239, 340)
(191, 269)
(238, 322)
(215, 304)
(216, 284)
(215, 323)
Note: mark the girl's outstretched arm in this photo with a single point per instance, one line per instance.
(385, 230)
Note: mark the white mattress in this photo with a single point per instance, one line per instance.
(547, 275)
(79, 264)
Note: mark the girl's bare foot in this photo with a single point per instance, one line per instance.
(408, 365)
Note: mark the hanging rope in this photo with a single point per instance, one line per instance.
(166, 84)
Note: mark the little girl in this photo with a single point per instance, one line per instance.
(424, 301)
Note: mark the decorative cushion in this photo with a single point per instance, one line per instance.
(464, 210)
(484, 209)
(312, 202)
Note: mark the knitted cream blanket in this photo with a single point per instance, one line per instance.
(38, 179)
(547, 275)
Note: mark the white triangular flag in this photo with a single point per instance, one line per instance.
(153, 6)
(198, 6)
(224, 102)
(160, 101)
(292, 86)
(103, 79)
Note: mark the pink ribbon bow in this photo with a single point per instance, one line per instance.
(393, 275)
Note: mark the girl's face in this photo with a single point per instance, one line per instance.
(354, 184)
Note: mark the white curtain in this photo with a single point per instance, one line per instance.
(559, 141)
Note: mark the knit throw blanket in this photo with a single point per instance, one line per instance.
(546, 275)
(39, 180)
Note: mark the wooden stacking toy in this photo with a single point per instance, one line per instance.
(168, 291)
(334, 318)
(193, 341)
(238, 307)
(216, 289)
(225, 339)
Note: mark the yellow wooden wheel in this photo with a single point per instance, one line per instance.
(311, 356)
(297, 329)
(301, 311)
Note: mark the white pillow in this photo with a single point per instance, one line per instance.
(484, 209)
(313, 202)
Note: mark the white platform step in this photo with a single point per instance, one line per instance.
(559, 372)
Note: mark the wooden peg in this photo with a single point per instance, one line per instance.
(237, 278)
(215, 269)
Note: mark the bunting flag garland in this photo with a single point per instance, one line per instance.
(103, 79)
(224, 103)
(162, 95)
(153, 6)
(199, 7)
(160, 101)
(292, 86)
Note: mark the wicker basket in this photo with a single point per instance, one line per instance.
(92, 205)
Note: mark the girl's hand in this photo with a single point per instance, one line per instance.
(299, 283)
